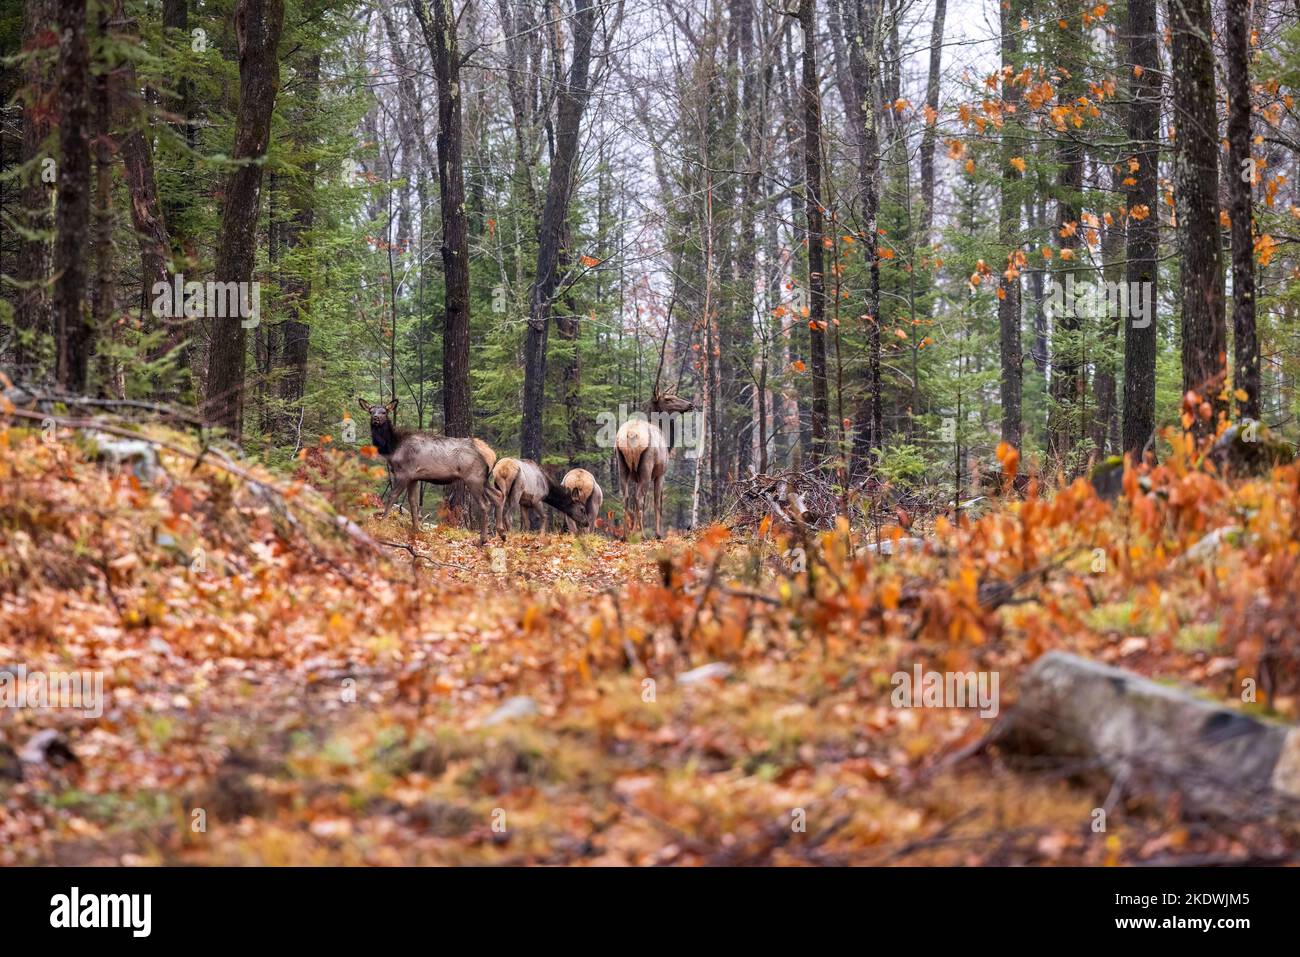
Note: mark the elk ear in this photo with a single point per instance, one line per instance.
(392, 406)
(365, 406)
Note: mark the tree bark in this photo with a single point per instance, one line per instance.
(258, 24)
(1143, 234)
(928, 138)
(862, 22)
(1008, 240)
(74, 332)
(439, 28)
(103, 289)
(1069, 370)
(32, 309)
(1196, 185)
(1240, 176)
(813, 207)
(572, 102)
(295, 331)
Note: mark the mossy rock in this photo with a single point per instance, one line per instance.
(1107, 476)
(1249, 447)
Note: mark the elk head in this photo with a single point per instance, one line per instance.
(665, 408)
(382, 431)
(670, 403)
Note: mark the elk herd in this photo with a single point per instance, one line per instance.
(520, 485)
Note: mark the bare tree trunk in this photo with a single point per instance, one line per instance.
(439, 28)
(102, 291)
(1069, 370)
(1036, 213)
(74, 332)
(813, 206)
(1240, 176)
(932, 103)
(258, 24)
(32, 311)
(1143, 236)
(1112, 259)
(1196, 188)
(862, 23)
(137, 160)
(746, 243)
(295, 332)
(572, 103)
(1008, 239)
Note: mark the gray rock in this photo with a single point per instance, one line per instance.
(889, 546)
(714, 670)
(1152, 737)
(521, 706)
(48, 747)
(1213, 542)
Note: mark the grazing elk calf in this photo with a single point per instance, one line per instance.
(641, 453)
(521, 484)
(585, 491)
(416, 457)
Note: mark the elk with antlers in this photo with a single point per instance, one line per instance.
(416, 457)
(641, 455)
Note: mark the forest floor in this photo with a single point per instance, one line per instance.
(276, 692)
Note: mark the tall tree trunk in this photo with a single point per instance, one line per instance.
(1240, 175)
(147, 216)
(102, 291)
(572, 102)
(1069, 370)
(1008, 240)
(295, 331)
(1112, 259)
(32, 310)
(176, 16)
(932, 103)
(258, 24)
(438, 25)
(1143, 235)
(74, 332)
(862, 23)
(813, 207)
(1196, 186)
(746, 243)
(1036, 214)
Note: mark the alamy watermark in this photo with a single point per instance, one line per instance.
(78, 690)
(680, 429)
(946, 689)
(211, 299)
(1124, 300)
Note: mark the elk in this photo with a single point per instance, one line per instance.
(641, 454)
(586, 492)
(522, 484)
(416, 457)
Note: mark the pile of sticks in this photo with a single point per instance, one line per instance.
(790, 498)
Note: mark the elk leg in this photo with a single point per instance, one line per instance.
(411, 489)
(659, 506)
(478, 504)
(393, 495)
(634, 499)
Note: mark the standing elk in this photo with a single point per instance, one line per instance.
(586, 492)
(416, 457)
(522, 484)
(641, 454)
